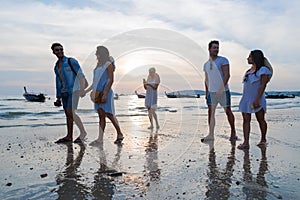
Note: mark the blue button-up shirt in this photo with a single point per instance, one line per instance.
(72, 82)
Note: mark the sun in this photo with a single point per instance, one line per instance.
(130, 62)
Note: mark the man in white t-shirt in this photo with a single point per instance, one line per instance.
(217, 75)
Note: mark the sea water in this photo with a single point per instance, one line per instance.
(15, 111)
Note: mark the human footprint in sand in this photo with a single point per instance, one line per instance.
(70, 84)
(253, 99)
(151, 86)
(217, 75)
(103, 79)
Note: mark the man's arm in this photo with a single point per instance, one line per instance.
(226, 76)
(206, 85)
(226, 73)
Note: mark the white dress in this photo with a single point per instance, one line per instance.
(251, 87)
(151, 96)
(99, 83)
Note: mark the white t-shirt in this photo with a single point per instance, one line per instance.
(215, 73)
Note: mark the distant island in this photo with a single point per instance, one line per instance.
(202, 92)
(196, 92)
(283, 93)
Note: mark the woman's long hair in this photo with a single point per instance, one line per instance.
(259, 61)
(258, 58)
(102, 54)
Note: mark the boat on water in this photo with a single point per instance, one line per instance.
(279, 95)
(140, 95)
(177, 94)
(33, 96)
(116, 96)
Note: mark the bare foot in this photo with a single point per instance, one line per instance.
(64, 140)
(207, 138)
(96, 143)
(262, 143)
(81, 138)
(243, 146)
(82, 135)
(119, 139)
(150, 127)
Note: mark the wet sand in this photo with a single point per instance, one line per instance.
(170, 163)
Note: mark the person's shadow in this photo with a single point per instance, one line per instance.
(255, 188)
(152, 169)
(219, 182)
(70, 184)
(104, 179)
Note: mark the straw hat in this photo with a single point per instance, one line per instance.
(268, 64)
(112, 60)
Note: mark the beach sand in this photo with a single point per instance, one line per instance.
(170, 163)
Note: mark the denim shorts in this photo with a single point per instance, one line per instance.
(70, 100)
(224, 99)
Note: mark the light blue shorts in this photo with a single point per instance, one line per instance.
(224, 99)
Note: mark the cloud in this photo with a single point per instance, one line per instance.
(28, 29)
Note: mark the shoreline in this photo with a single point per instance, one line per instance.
(171, 163)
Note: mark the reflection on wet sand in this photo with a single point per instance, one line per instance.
(219, 182)
(152, 169)
(144, 184)
(70, 184)
(104, 185)
(255, 187)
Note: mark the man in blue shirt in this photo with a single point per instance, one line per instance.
(69, 86)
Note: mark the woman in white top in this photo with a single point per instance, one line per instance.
(103, 79)
(151, 86)
(253, 99)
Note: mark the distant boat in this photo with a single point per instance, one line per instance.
(279, 95)
(170, 95)
(140, 95)
(116, 96)
(34, 97)
(177, 94)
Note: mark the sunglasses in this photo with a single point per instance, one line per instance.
(58, 49)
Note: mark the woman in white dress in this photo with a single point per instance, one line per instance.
(103, 79)
(151, 86)
(253, 99)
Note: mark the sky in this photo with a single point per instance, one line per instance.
(170, 35)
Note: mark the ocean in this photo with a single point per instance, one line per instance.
(15, 111)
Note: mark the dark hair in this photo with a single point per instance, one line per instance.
(56, 44)
(103, 53)
(258, 58)
(212, 42)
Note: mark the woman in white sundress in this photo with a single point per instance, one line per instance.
(103, 79)
(253, 99)
(151, 86)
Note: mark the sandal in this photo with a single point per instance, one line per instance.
(262, 144)
(78, 140)
(207, 139)
(96, 143)
(119, 140)
(243, 146)
(63, 140)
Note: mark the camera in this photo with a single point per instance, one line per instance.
(57, 103)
